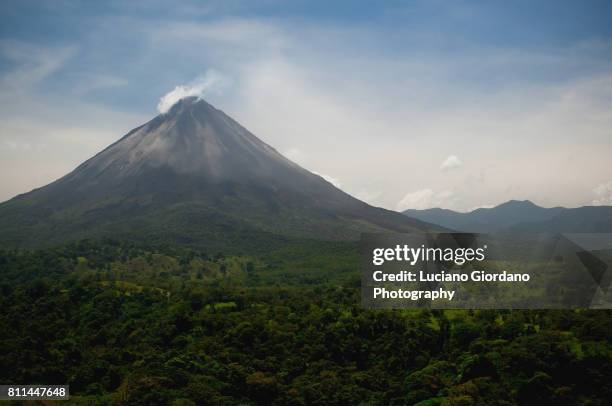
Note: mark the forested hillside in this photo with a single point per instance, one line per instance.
(131, 325)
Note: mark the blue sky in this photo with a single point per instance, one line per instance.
(403, 104)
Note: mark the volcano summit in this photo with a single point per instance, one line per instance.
(191, 176)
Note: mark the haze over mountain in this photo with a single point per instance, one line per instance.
(517, 215)
(192, 175)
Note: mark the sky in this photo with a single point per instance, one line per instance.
(411, 104)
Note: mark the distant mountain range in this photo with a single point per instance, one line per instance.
(191, 176)
(521, 216)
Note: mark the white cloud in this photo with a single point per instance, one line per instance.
(13, 145)
(210, 81)
(298, 156)
(603, 194)
(34, 64)
(482, 206)
(451, 162)
(295, 155)
(370, 197)
(235, 32)
(91, 83)
(330, 179)
(427, 199)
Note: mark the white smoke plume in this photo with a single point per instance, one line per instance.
(211, 80)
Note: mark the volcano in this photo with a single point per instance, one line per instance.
(191, 176)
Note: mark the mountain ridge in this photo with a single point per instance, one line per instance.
(192, 175)
(520, 216)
